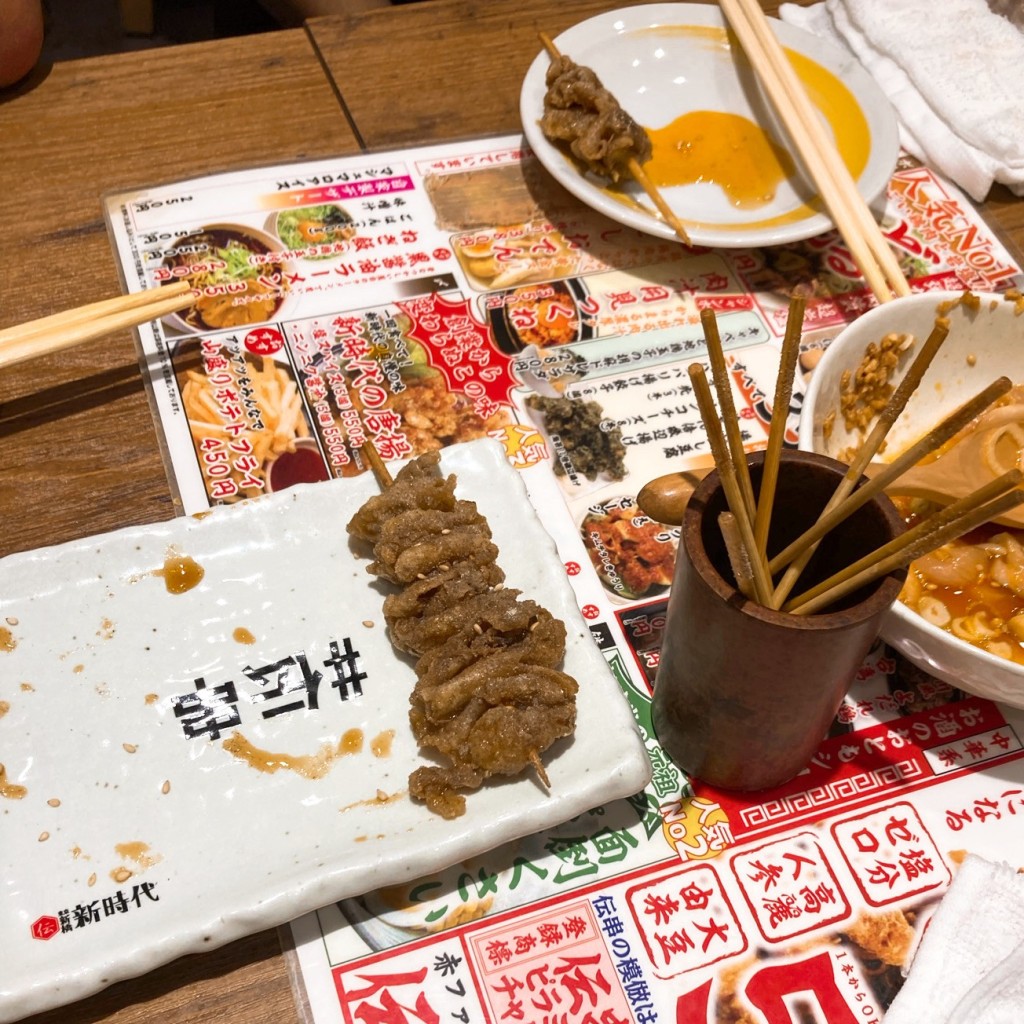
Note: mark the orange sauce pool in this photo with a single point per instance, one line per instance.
(719, 148)
(705, 145)
(309, 766)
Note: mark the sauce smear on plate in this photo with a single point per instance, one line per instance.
(720, 148)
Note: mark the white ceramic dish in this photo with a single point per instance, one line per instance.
(980, 347)
(124, 843)
(664, 60)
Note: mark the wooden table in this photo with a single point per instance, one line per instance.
(80, 451)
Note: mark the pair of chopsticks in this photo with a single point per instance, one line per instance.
(745, 525)
(846, 206)
(75, 326)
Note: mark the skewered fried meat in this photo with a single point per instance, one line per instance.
(581, 112)
(489, 696)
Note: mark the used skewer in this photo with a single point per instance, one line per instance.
(945, 525)
(888, 416)
(928, 444)
(635, 168)
(720, 375)
(780, 413)
(730, 484)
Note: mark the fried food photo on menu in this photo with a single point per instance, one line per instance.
(633, 555)
(236, 463)
(433, 415)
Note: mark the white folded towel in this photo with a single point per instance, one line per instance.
(969, 967)
(952, 69)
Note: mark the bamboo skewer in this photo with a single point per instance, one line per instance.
(730, 484)
(84, 323)
(928, 444)
(380, 471)
(635, 169)
(720, 376)
(838, 191)
(867, 451)
(946, 524)
(739, 560)
(780, 413)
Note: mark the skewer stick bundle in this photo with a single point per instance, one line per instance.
(730, 484)
(745, 532)
(945, 525)
(928, 444)
(867, 451)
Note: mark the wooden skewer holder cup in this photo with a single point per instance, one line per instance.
(744, 695)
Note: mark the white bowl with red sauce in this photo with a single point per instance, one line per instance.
(985, 341)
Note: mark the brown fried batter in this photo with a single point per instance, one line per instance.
(581, 112)
(422, 488)
(418, 541)
(428, 611)
(489, 696)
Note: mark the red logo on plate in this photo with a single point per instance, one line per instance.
(45, 927)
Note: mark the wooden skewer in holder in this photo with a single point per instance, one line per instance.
(744, 693)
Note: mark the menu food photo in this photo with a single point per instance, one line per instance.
(455, 301)
(429, 297)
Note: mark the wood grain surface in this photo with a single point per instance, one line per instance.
(80, 450)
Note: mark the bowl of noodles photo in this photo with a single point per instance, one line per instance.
(315, 232)
(238, 272)
(960, 615)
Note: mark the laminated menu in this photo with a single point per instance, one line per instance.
(425, 297)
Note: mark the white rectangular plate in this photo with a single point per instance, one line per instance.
(126, 842)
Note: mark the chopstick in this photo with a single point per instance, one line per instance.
(635, 168)
(846, 206)
(929, 443)
(75, 326)
(988, 502)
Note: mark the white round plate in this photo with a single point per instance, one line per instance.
(665, 60)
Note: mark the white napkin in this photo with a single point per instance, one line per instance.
(969, 967)
(952, 69)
